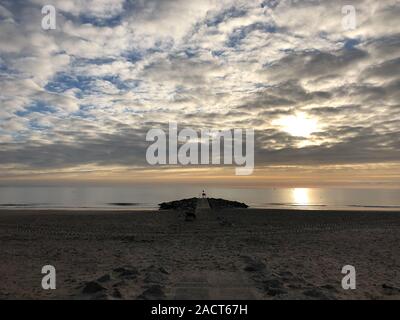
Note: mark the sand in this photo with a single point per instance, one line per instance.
(226, 254)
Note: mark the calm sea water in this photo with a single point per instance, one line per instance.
(148, 197)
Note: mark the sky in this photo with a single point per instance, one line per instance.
(77, 102)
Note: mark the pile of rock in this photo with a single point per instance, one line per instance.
(184, 204)
(224, 204)
(190, 204)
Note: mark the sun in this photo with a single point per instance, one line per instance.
(299, 125)
(301, 196)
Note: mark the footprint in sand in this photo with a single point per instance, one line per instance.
(253, 264)
(155, 292)
(317, 294)
(108, 285)
(390, 290)
(126, 272)
(154, 279)
(92, 287)
(274, 287)
(104, 278)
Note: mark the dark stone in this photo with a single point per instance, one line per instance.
(92, 287)
(104, 278)
(316, 294)
(155, 274)
(190, 216)
(127, 238)
(126, 272)
(154, 277)
(275, 292)
(253, 265)
(286, 275)
(162, 270)
(224, 204)
(117, 294)
(296, 286)
(152, 268)
(329, 287)
(224, 222)
(389, 290)
(184, 204)
(273, 283)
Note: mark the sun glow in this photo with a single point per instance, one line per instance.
(301, 196)
(299, 125)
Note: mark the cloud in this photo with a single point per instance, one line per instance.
(91, 8)
(85, 93)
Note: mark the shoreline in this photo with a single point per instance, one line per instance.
(370, 209)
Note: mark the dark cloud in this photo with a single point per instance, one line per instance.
(316, 63)
(326, 111)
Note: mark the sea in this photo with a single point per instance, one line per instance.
(147, 197)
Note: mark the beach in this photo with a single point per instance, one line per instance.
(222, 254)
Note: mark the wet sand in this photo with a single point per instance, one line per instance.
(226, 254)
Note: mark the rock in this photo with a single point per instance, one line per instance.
(275, 292)
(316, 294)
(253, 265)
(130, 238)
(117, 294)
(190, 204)
(223, 222)
(184, 204)
(154, 277)
(296, 286)
(274, 287)
(329, 287)
(153, 268)
(286, 275)
(92, 287)
(162, 270)
(128, 272)
(119, 284)
(155, 274)
(155, 292)
(390, 290)
(104, 278)
(190, 216)
(273, 283)
(223, 204)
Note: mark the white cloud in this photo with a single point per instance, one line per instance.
(94, 8)
(206, 63)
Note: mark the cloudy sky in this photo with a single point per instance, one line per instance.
(76, 102)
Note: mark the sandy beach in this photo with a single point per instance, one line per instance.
(224, 254)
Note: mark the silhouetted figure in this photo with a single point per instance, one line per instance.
(203, 195)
